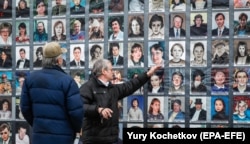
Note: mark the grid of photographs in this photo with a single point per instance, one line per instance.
(203, 46)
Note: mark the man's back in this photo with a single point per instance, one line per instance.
(51, 104)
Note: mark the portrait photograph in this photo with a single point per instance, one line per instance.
(95, 52)
(176, 109)
(59, 8)
(116, 6)
(220, 52)
(58, 30)
(220, 24)
(156, 83)
(22, 32)
(135, 27)
(118, 76)
(40, 31)
(241, 52)
(198, 25)
(133, 73)
(198, 53)
(198, 109)
(177, 5)
(135, 54)
(77, 30)
(116, 28)
(22, 133)
(135, 108)
(22, 8)
(5, 85)
(77, 7)
(241, 81)
(22, 57)
(7, 128)
(116, 54)
(5, 9)
(37, 56)
(241, 110)
(220, 108)
(220, 81)
(156, 53)
(155, 109)
(20, 77)
(156, 26)
(176, 81)
(241, 24)
(198, 5)
(78, 75)
(177, 25)
(198, 81)
(77, 56)
(156, 5)
(177, 53)
(220, 4)
(40, 8)
(5, 109)
(96, 28)
(135, 6)
(96, 6)
(5, 33)
(6, 58)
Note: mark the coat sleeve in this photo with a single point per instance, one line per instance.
(75, 106)
(25, 104)
(131, 86)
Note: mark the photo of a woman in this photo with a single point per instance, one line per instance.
(136, 27)
(177, 53)
(219, 111)
(155, 109)
(136, 56)
(23, 37)
(156, 27)
(59, 31)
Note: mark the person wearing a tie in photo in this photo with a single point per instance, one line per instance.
(77, 58)
(5, 133)
(23, 62)
(221, 29)
(177, 30)
(115, 58)
(77, 8)
(59, 8)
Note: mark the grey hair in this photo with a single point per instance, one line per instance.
(101, 64)
(50, 62)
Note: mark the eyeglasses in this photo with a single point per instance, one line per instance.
(3, 133)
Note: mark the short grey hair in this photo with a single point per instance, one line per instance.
(99, 65)
(50, 62)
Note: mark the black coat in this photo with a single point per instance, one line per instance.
(224, 33)
(95, 94)
(119, 61)
(202, 116)
(172, 34)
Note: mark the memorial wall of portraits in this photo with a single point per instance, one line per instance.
(204, 46)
